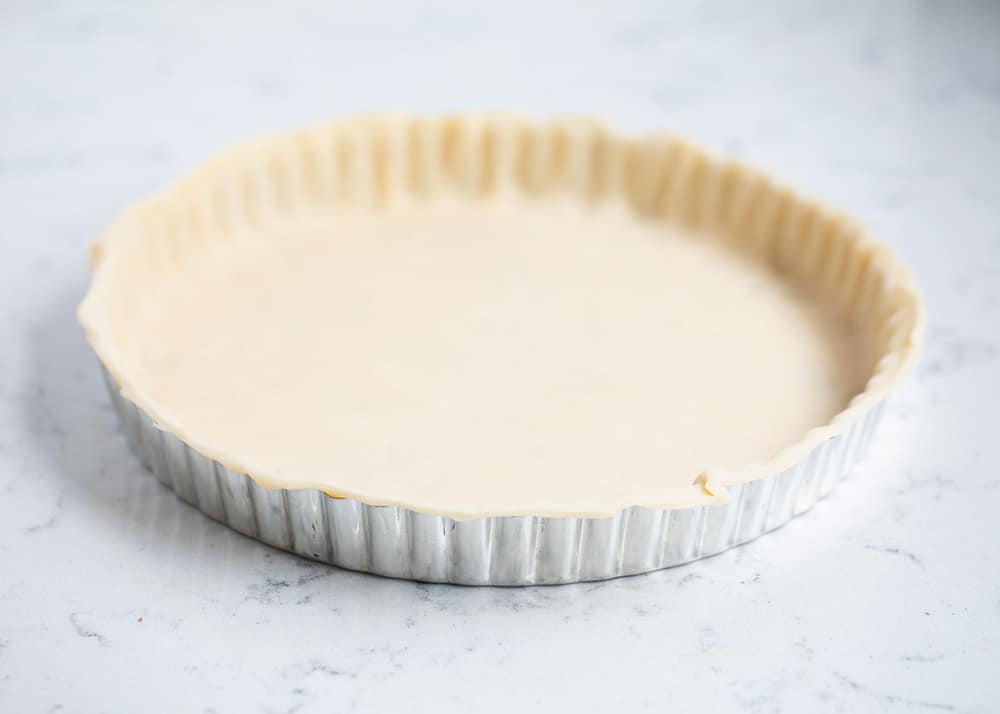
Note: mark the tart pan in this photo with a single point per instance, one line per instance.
(660, 174)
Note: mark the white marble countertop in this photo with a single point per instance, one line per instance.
(117, 597)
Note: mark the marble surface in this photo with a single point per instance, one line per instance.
(116, 597)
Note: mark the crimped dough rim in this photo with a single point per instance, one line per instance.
(363, 159)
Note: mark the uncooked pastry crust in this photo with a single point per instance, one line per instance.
(482, 316)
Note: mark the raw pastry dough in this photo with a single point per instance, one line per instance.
(506, 352)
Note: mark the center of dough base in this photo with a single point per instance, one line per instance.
(514, 356)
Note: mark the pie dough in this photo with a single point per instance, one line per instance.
(484, 317)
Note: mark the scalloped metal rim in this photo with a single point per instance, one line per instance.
(500, 550)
